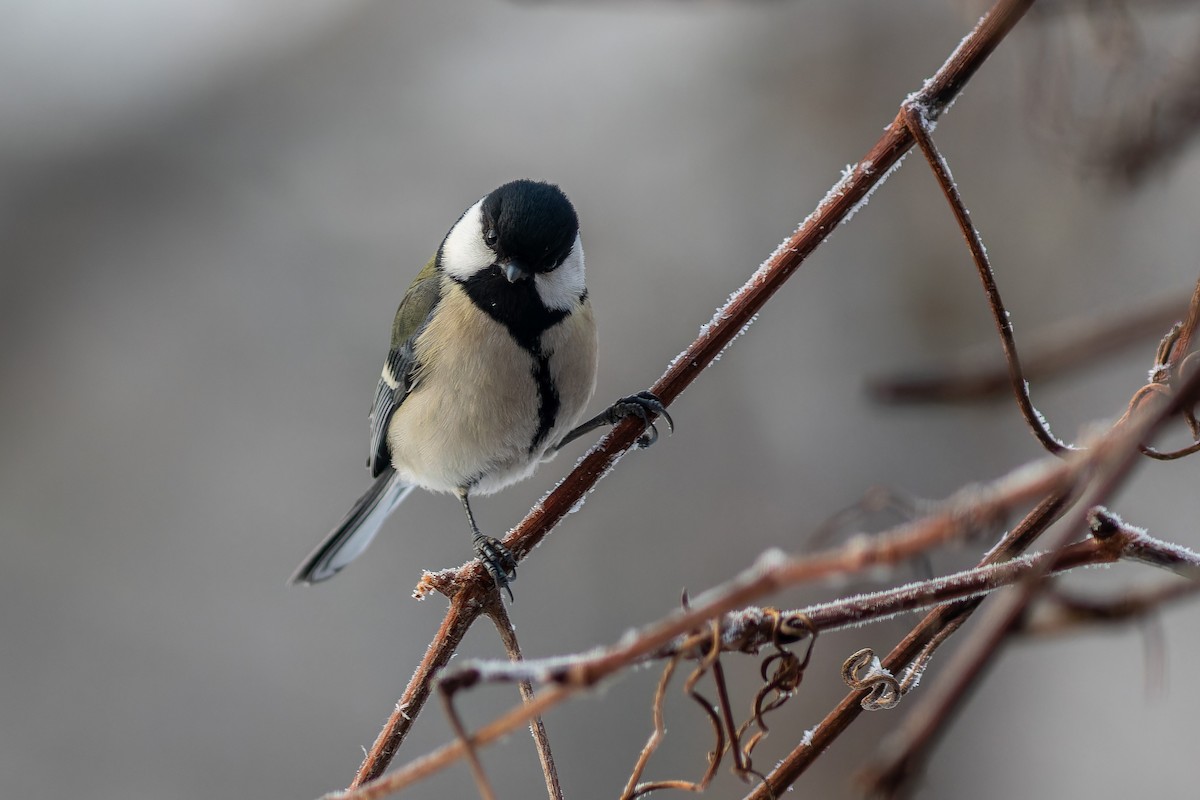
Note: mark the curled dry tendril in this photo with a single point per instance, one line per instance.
(782, 672)
(862, 671)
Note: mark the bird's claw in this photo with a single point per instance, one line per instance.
(498, 560)
(642, 405)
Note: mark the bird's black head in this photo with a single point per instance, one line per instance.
(529, 223)
(517, 254)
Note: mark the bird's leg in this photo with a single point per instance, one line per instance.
(640, 405)
(497, 559)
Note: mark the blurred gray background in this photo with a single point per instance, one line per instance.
(208, 211)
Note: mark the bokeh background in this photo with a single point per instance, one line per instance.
(209, 209)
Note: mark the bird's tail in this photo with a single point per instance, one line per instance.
(347, 541)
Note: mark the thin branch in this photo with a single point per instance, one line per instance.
(508, 635)
(471, 584)
(468, 745)
(920, 126)
(446, 754)
(459, 618)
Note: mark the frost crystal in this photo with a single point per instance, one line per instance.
(736, 336)
(912, 675)
(608, 468)
(1046, 425)
(806, 739)
(877, 668)
(1041, 419)
(868, 168)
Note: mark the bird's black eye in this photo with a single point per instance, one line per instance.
(490, 237)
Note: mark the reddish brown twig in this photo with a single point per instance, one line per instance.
(508, 635)
(920, 126)
(468, 745)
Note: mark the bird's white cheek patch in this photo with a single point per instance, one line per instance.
(463, 252)
(560, 290)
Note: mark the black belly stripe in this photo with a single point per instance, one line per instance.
(548, 400)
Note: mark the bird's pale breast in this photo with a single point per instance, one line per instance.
(473, 412)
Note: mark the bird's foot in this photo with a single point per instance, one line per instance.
(498, 560)
(641, 405)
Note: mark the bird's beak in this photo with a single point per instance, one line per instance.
(515, 272)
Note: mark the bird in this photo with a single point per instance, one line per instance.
(492, 364)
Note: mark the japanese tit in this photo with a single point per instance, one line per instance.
(492, 363)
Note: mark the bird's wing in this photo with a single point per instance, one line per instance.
(396, 381)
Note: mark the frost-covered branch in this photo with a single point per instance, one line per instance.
(508, 635)
(748, 630)
(920, 125)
